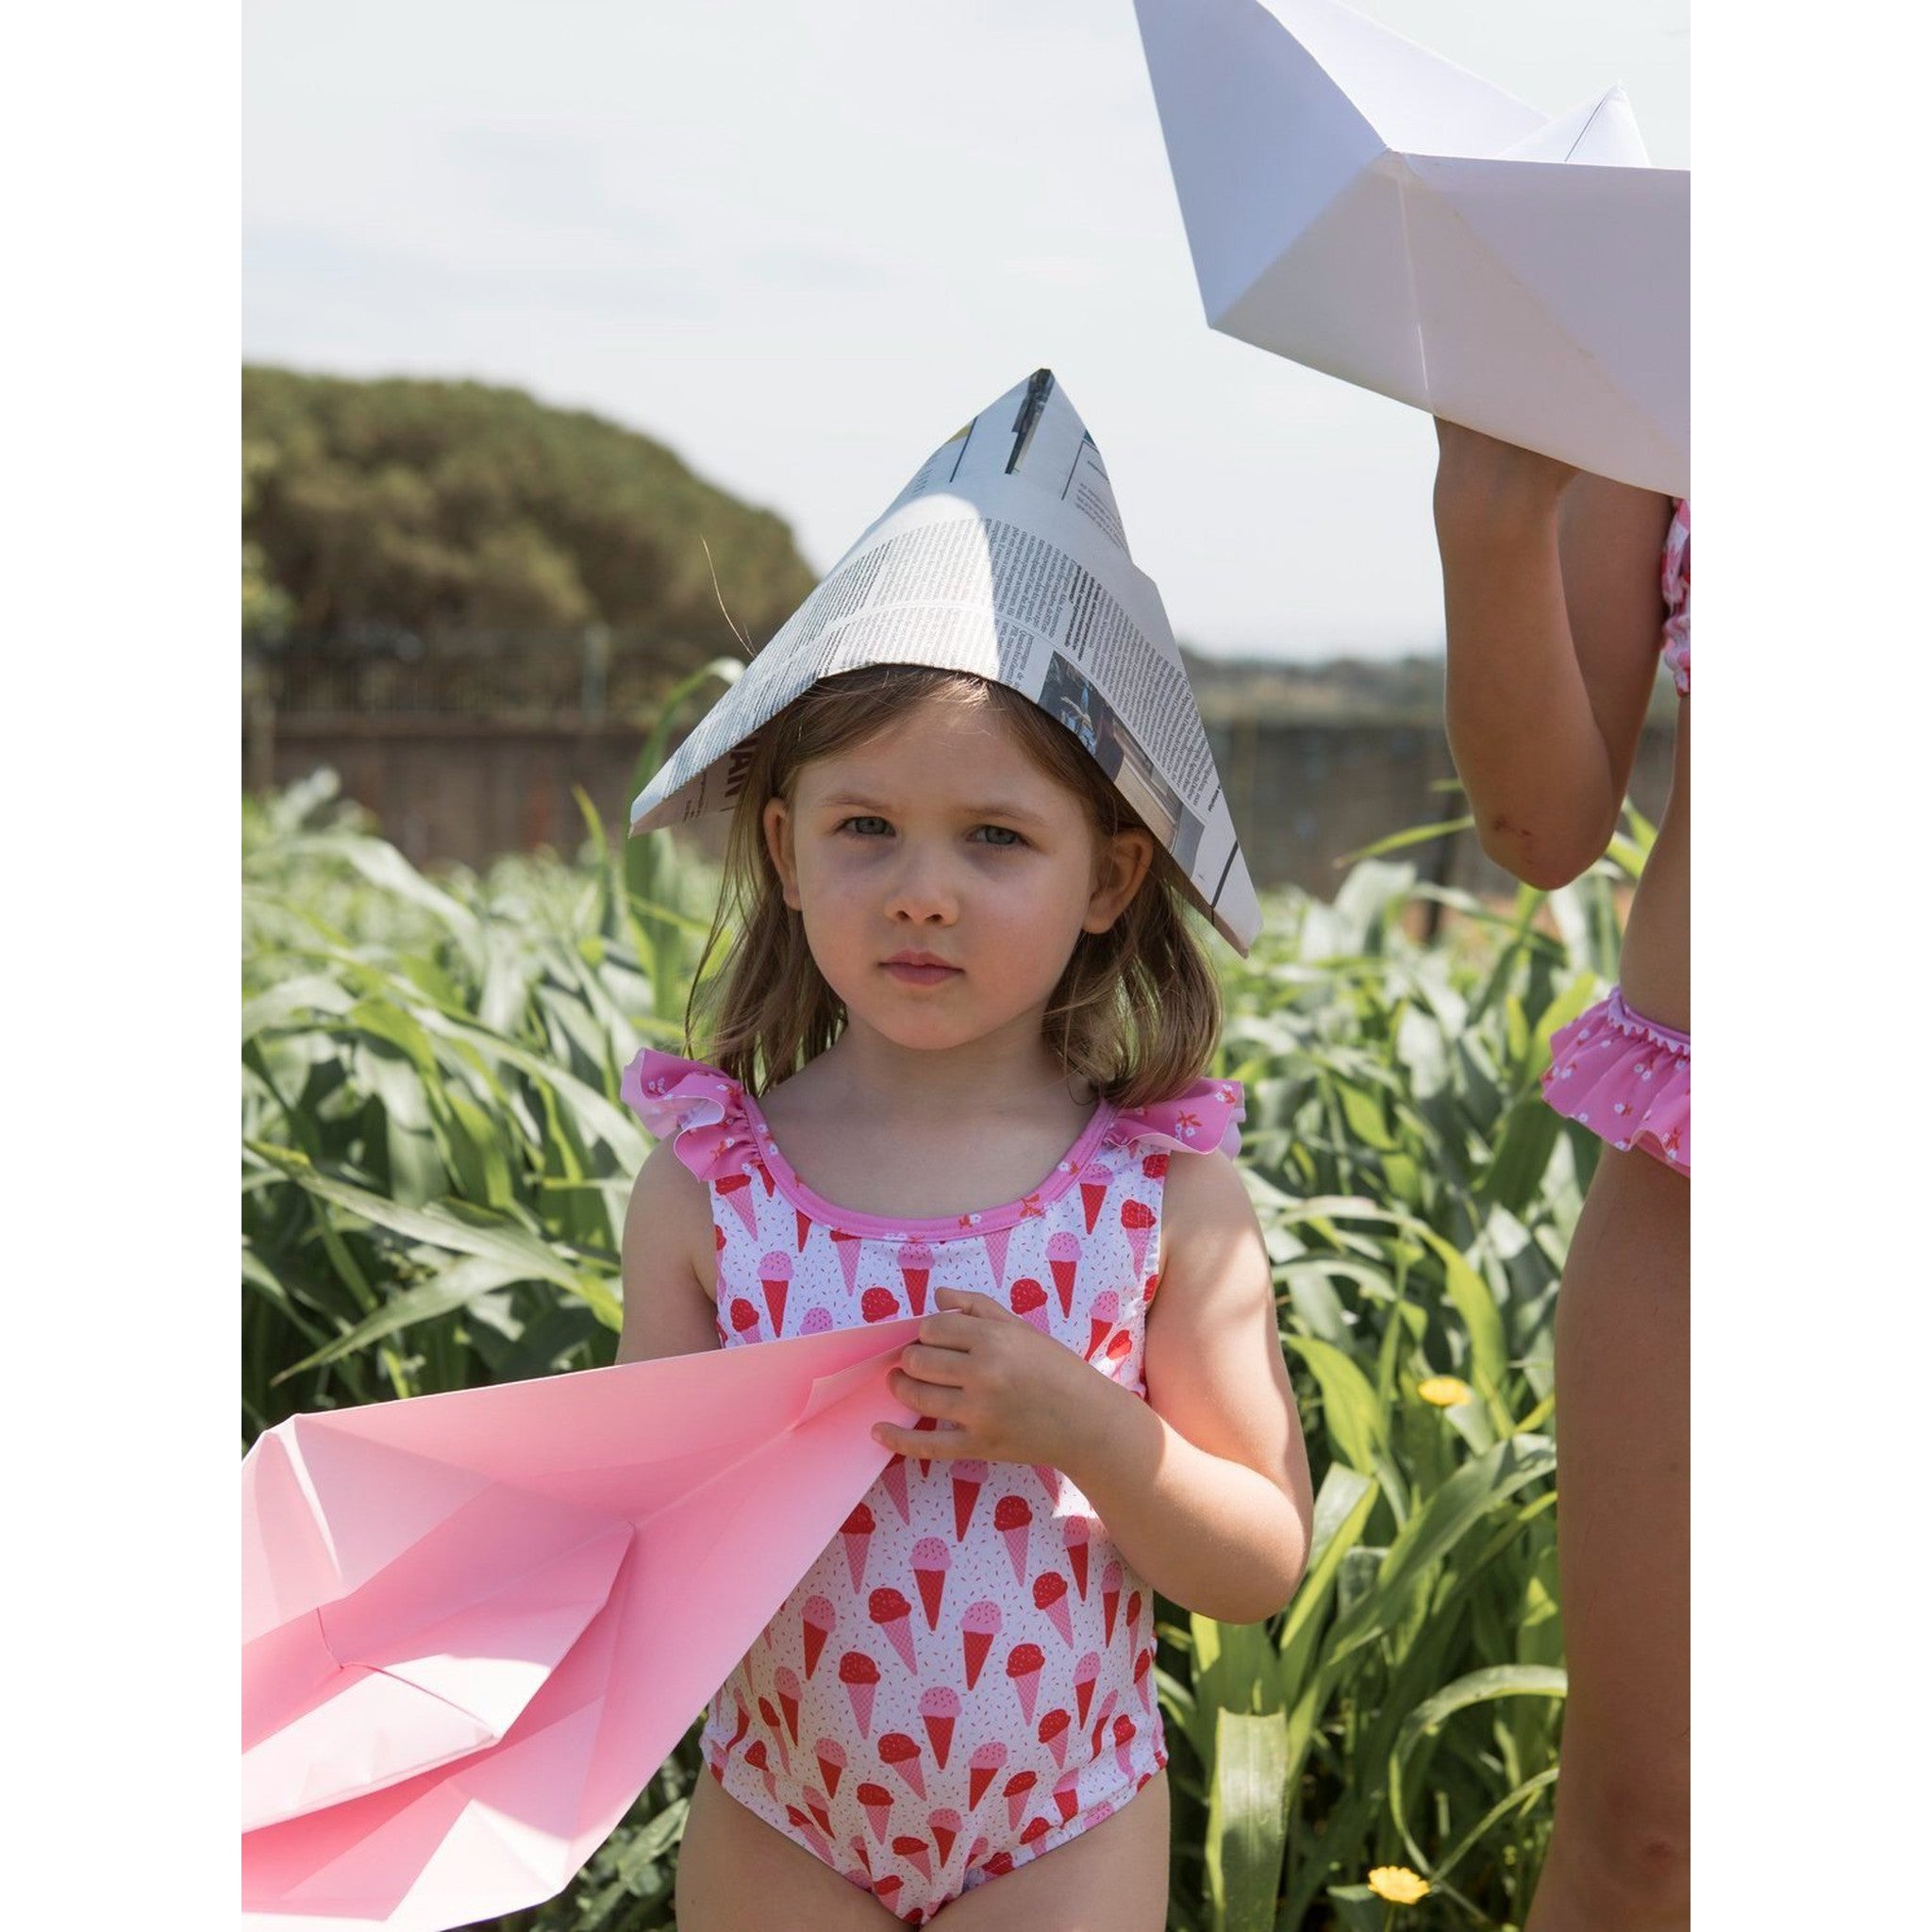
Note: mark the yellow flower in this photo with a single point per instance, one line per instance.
(1445, 1391)
(1397, 1883)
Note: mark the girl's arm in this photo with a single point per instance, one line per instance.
(1550, 588)
(667, 1237)
(1205, 1486)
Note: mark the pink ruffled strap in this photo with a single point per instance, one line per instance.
(1206, 1119)
(701, 1107)
(1676, 590)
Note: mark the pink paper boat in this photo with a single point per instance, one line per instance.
(474, 1624)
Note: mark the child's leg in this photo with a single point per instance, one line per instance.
(1621, 1855)
(737, 1873)
(1112, 1879)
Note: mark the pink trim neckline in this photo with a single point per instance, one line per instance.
(980, 1220)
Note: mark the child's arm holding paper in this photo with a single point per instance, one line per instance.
(1551, 592)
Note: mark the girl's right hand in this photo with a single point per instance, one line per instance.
(1484, 486)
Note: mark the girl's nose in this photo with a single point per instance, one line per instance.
(922, 894)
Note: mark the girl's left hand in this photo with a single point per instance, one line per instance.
(999, 1389)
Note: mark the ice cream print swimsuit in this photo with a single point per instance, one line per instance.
(964, 1679)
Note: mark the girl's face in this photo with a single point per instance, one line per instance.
(943, 878)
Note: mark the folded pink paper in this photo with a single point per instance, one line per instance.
(474, 1624)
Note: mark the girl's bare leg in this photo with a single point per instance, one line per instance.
(737, 1873)
(1619, 1858)
(1111, 1878)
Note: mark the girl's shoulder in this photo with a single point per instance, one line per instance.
(698, 1108)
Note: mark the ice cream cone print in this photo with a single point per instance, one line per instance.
(832, 1757)
(1101, 1317)
(1024, 1663)
(1066, 1795)
(999, 1864)
(1050, 1595)
(930, 1560)
(817, 1321)
(1120, 1345)
(877, 1803)
(1110, 1580)
(846, 1247)
(1155, 1167)
(803, 1220)
(996, 1256)
(878, 1304)
(1143, 1679)
(976, 1857)
(902, 1754)
(1084, 1672)
(986, 1764)
(915, 1266)
(857, 1532)
(1095, 1178)
(926, 1425)
(743, 1723)
(1074, 1532)
(817, 1621)
(916, 1852)
(944, 1826)
(744, 1317)
(890, 1611)
(1036, 1828)
(803, 1823)
(892, 1480)
(858, 1845)
(760, 1761)
(1017, 1788)
(1100, 1718)
(768, 1712)
(735, 1190)
(1027, 1300)
(1123, 1729)
(1137, 1218)
(1052, 1734)
(968, 1473)
(1063, 1258)
(939, 1710)
(785, 1680)
(861, 1676)
(1012, 1516)
(886, 1889)
(1131, 1623)
(821, 1809)
(775, 1277)
(977, 1630)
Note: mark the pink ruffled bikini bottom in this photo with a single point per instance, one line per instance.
(1625, 1078)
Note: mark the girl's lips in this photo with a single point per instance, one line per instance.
(919, 973)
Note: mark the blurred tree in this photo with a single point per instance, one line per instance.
(432, 510)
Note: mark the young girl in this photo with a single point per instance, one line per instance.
(958, 1042)
(1560, 589)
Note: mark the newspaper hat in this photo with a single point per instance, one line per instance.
(1002, 556)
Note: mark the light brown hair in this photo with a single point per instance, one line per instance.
(1136, 1013)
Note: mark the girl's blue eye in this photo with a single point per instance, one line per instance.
(865, 826)
(1000, 835)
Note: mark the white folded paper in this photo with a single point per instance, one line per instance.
(1358, 204)
(1005, 557)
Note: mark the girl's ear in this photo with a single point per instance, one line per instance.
(776, 820)
(1120, 869)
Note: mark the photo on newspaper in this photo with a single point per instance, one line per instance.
(1005, 557)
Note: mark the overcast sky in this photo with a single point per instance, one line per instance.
(800, 242)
